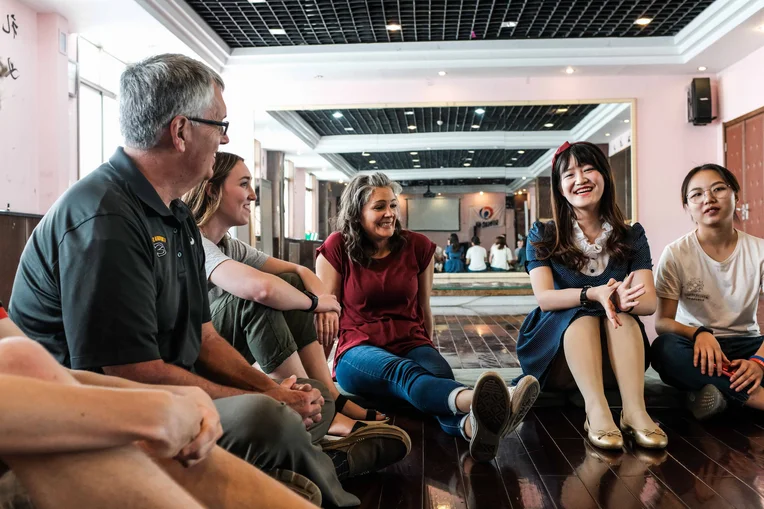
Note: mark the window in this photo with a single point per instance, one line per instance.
(98, 106)
(309, 227)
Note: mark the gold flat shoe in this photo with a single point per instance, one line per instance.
(604, 439)
(648, 438)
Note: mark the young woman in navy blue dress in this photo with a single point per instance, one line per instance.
(592, 277)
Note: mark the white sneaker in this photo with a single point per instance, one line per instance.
(522, 397)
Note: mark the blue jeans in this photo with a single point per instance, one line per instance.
(422, 377)
(672, 355)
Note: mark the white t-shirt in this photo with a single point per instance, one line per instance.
(476, 256)
(723, 296)
(500, 258)
(228, 249)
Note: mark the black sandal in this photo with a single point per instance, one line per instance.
(371, 414)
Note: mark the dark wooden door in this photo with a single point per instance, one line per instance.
(753, 176)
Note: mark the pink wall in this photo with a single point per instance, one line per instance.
(487, 235)
(19, 112)
(740, 86)
(35, 120)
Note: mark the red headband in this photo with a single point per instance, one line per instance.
(565, 146)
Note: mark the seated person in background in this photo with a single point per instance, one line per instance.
(77, 439)
(708, 284)
(592, 277)
(261, 305)
(476, 256)
(112, 280)
(520, 255)
(500, 256)
(453, 254)
(382, 276)
(439, 259)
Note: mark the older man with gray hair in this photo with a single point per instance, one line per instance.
(113, 281)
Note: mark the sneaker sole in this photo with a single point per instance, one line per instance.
(525, 395)
(332, 443)
(299, 484)
(706, 402)
(491, 410)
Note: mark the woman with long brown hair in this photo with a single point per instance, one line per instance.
(592, 276)
(382, 277)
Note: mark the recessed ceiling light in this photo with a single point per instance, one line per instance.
(475, 126)
(523, 178)
(509, 164)
(468, 159)
(549, 125)
(561, 110)
(393, 27)
(607, 134)
(257, 1)
(415, 160)
(467, 164)
(626, 121)
(514, 159)
(442, 73)
(417, 166)
(349, 129)
(643, 21)
(702, 68)
(366, 154)
(439, 194)
(340, 182)
(521, 151)
(508, 24)
(413, 153)
(337, 114)
(471, 151)
(481, 192)
(277, 31)
(372, 161)
(412, 127)
(409, 113)
(569, 70)
(439, 122)
(428, 148)
(480, 111)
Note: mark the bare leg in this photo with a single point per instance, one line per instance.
(87, 479)
(627, 356)
(292, 366)
(312, 357)
(583, 352)
(225, 481)
(756, 399)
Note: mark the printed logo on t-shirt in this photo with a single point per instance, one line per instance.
(159, 245)
(693, 290)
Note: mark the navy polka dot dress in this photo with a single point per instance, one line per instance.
(540, 337)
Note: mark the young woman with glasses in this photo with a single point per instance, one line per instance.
(708, 284)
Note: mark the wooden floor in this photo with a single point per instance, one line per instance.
(478, 341)
(548, 463)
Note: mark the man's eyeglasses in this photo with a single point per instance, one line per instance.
(223, 126)
(719, 191)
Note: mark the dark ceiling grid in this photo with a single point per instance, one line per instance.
(435, 159)
(244, 24)
(455, 182)
(455, 119)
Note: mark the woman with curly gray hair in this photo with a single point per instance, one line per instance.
(382, 276)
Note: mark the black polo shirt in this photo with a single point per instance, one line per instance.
(112, 276)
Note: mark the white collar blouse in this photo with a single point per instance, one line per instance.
(596, 253)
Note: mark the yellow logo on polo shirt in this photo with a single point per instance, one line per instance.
(159, 245)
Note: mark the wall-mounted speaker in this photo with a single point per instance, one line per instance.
(700, 102)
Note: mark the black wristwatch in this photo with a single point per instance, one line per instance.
(700, 330)
(313, 299)
(585, 303)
